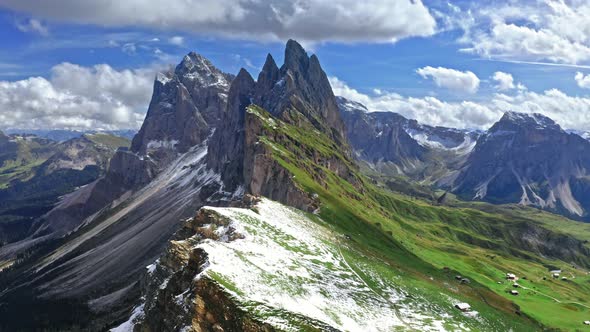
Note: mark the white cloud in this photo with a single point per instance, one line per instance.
(176, 40)
(307, 20)
(33, 25)
(546, 30)
(465, 81)
(570, 112)
(582, 80)
(428, 110)
(504, 81)
(129, 48)
(77, 97)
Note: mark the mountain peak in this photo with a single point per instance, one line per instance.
(186, 103)
(243, 75)
(295, 56)
(531, 120)
(195, 67)
(192, 60)
(270, 67)
(347, 105)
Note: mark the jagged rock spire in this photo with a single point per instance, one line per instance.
(186, 104)
(299, 92)
(268, 77)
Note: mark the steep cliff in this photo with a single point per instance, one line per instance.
(298, 94)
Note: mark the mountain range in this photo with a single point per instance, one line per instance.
(36, 172)
(274, 205)
(525, 159)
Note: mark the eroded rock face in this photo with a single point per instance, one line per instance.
(395, 145)
(226, 150)
(186, 104)
(263, 175)
(298, 93)
(528, 159)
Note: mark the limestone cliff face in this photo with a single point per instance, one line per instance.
(186, 104)
(299, 94)
(299, 85)
(263, 175)
(226, 150)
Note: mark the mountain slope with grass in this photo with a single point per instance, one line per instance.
(288, 157)
(37, 172)
(268, 223)
(413, 246)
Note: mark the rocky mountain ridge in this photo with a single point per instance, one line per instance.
(530, 160)
(396, 146)
(369, 258)
(36, 172)
(298, 93)
(525, 159)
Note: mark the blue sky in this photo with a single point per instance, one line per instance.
(437, 64)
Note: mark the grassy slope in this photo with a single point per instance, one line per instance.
(108, 140)
(419, 239)
(350, 286)
(29, 155)
(27, 192)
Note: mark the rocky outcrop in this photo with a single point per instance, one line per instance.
(186, 105)
(300, 85)
(179, 297)
(226, 150)
(264, 175)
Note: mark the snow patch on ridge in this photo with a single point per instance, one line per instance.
(128, 325)
(286, 261)
(167, 144)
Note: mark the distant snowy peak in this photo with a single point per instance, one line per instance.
(350, 106)
(461, 141)
(431, 137)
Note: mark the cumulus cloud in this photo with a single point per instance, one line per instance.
(77, 97)
(551, 30)
(504, 81)
(307, 20)
(176, 40)
(465, 81)
(569, 111)
(428, 110)
(129, 48)
(33, 25)
(582, 80)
